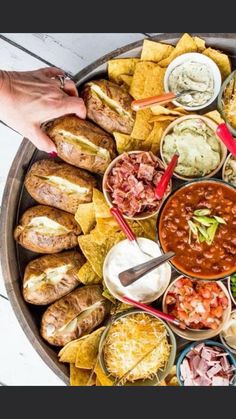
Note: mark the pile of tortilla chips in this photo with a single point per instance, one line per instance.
(144, 77)
(101, 233)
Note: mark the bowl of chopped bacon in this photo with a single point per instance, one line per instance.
(206, 363)
(129, 184)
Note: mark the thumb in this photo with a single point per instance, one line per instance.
(72, 104)
(40, 139)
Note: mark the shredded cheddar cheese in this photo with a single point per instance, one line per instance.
(137, 344)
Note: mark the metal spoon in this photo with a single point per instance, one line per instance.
(131, 275)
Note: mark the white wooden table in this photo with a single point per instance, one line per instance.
(19, 362)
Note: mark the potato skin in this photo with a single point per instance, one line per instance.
(69, 151)
(48, 193)
(68, 308)
(101, 114)
(41, 242)
(48, 293)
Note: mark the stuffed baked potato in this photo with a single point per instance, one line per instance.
(44, 229)
(59, 185)
(109, 106)
(81, 143)
(50, 277)
(74, 315)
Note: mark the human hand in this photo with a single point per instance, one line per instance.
(30, 98)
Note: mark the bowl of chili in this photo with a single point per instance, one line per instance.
(197, 221)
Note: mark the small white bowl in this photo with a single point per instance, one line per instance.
(200, 58)
(223, 170)
(223, 339)
(230, 292)
(164, 270)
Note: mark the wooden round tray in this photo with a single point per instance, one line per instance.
(16, 200)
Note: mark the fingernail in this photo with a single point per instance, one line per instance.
(53, 154)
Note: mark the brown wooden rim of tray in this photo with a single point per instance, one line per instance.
(22, 159)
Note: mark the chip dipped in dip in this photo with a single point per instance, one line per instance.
(194, 78)
(125, 255)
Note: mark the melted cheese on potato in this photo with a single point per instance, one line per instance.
(45, 224)
(67, 186)
(110, 102)
(88, 147)
(49, 276)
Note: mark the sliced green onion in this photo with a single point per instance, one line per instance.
(220, 220)
(203, 232)
(193, 227)
(201, 212)
(211, 231)
(206, 221)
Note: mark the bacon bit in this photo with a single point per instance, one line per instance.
(131, 183)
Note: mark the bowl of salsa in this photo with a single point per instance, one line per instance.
(198, 222)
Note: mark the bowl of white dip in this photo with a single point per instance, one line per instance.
(196, 72)
(124, 255)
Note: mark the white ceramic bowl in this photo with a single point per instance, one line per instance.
(200, 58)
(213, 126)
(223, 170)
(164, 271)
(204, 333)
(223, 339)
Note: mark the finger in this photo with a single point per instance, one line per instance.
(40, 139)
(70, 88)
(52, 71)
(72, 105)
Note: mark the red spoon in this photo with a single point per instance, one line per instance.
(164, 316)
(163, 183)
(226, 137)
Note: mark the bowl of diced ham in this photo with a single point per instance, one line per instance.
(129, 184)
(206, 363)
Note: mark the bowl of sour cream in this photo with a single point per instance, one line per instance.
(125, 255)
(196, 73)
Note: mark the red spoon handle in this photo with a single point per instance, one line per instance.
(136, 105)
(152, 310)
(122, 223)
(225, 135)
(162, 185)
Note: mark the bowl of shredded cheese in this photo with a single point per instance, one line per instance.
(137, 349)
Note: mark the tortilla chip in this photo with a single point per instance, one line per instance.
(222, 61)
(125, 143)
(87, 351)
(97, 382)
(100, 205)
(149, 227)
(87, 275)
(185, 44)
(127, 80)
(85, 217)
(173, 382)
(121, 66)
(201, 45)
(139, 77)
(162, 110)
(161, 118)
(155, 51)
(154, 139)
(68, 352)
(102, 377)
(142, 128)
(154, 81)
(106, 294)
(94, 252)
(80, 377)
(215, 116)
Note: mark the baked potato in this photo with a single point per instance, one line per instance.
(50, 277)
(109, 105)
(59, 185)
(74, 315)
(81, 143)
(44, 229)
